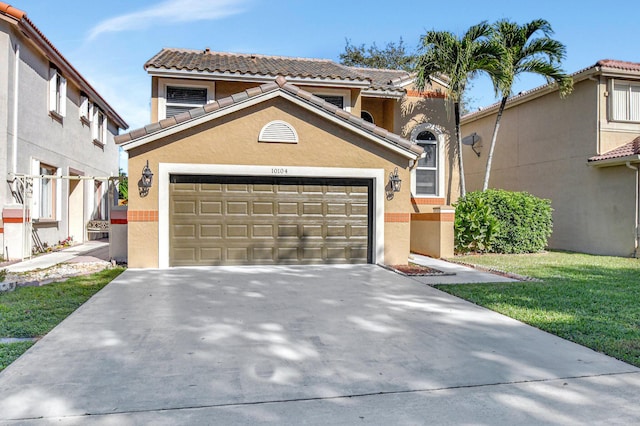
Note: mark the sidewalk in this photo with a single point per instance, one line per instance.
(96, 250)
(463, 274)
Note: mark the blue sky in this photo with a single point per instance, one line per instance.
(109, 41)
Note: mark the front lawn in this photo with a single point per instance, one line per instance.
(34, 311)
(590, 300)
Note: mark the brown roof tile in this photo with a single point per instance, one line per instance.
(384, 79)
(283, 85)
(619, 65)
(628, 149)
(249, 64)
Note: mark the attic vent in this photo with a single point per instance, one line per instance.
(278, 131)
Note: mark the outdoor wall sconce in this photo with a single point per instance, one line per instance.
(395, 180)
(146, 181)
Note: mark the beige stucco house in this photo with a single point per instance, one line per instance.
(262, 159)
(56, 134)
(582, 152)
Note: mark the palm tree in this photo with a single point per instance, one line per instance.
(524, 52)
(460, 59)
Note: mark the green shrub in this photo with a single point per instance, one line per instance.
(525, 222)
(475, 227)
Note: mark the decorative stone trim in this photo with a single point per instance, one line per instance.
(429, 201)
(434, 217)
(142, 216)
(397, 217)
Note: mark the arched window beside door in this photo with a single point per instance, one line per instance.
(428, 172)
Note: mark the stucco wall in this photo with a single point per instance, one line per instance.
(65, 144)
(232, 139)
(542, 148)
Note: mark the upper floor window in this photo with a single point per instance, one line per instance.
(333, 99)
(181, 99)
(625, 103)
(57, 93)
(99, 126)
(366, 116)
(176, 96)
(427, 171)
(85, 109)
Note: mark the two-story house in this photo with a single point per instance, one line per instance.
(267, 159)
(56, 134)
(581, 152)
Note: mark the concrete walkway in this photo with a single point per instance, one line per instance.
(98, 249)
(340, 345)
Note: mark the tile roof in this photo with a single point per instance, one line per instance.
(603, 65)
(384, 79)
(626, 150)
(250, 64)
(619, 65)
(280, 83)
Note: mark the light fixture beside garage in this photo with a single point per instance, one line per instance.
(395, 180)
(146, 181)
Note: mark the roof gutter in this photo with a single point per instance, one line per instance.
(255, 78)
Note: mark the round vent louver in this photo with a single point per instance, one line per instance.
(278, 131)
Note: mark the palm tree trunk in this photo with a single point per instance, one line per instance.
(487, 172)
(463, 189)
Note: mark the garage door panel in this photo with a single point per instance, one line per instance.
(263, 231)
(288, 208)
(238, 207)
(210, 231)
(267, 221)
(210, 207)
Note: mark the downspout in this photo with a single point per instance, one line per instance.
(14, 137)
(598, 81)
(636, 251)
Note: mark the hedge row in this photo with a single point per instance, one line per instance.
(498, 221)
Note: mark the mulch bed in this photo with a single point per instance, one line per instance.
(415, 270)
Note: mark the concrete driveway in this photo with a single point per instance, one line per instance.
(305, 345)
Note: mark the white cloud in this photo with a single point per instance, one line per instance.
(169, 12)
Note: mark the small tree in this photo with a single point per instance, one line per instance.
(523, 52)
(123, 187)
(460, 59)
(392, 56)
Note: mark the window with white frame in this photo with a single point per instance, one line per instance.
(181, 99)
(625, 102)
(333, 99)
(85, 109)
(99, 126)
(57, 93)
(338, 97)
(47, 199)
(427, 170)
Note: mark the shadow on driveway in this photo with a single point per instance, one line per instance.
(276, 344)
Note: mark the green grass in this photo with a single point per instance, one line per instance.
(34, 311)
(591, 300)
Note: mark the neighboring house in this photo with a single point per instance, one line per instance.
(265, 159)
(582, 152)
(52, 123)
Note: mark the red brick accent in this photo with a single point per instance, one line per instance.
(429, 94)
(397, 217)
(434, 217)
(119, 221)
(427, 201)
(14, 215)
(142, 215)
